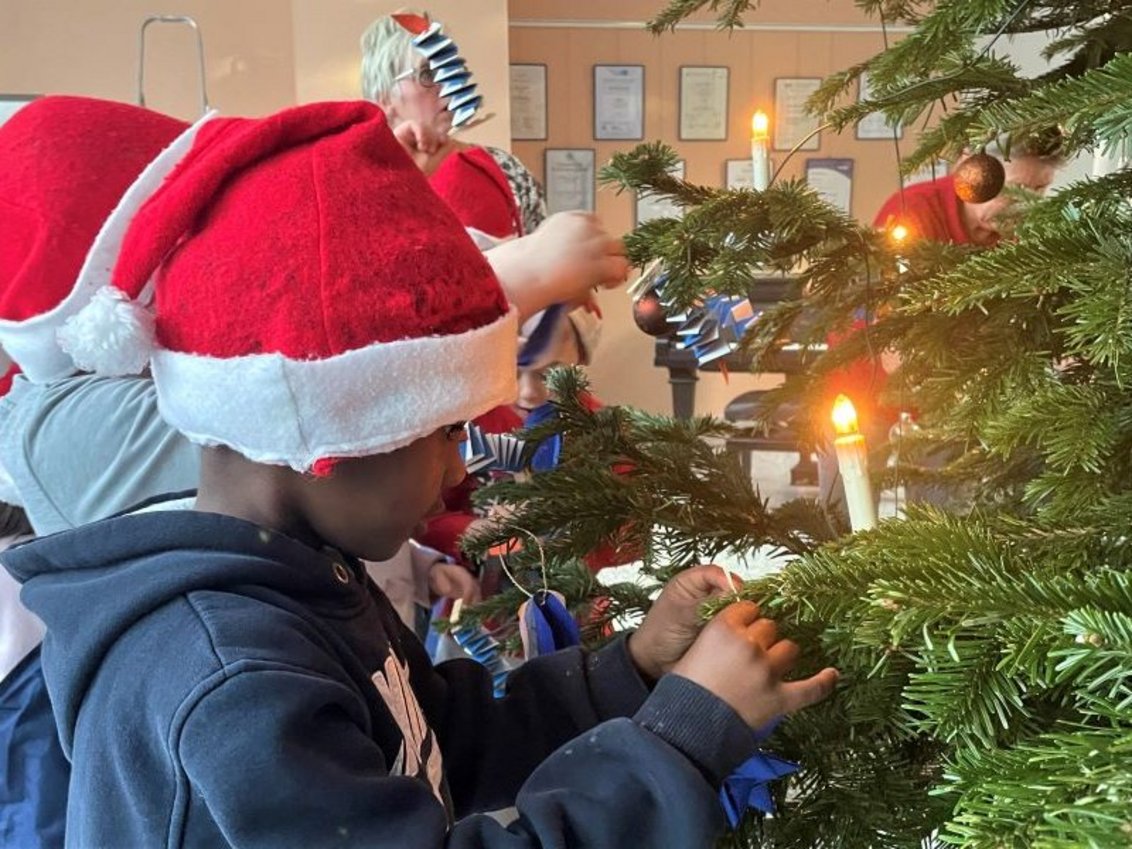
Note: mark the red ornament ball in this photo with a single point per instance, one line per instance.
(650, 315)
(979, 178)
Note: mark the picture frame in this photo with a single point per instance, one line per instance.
(703, 108)
(832, 178)
(648, 207)
(570, 179)
(874, 127)
(529, 117)
(10, 104)
(927, 172)
(792, 123)
(619, 102)
(739, 173)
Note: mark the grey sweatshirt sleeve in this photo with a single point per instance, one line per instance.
(85, 448)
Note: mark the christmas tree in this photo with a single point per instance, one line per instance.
(986, 650)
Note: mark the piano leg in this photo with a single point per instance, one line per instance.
(683, 382)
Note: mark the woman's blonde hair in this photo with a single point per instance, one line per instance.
(387, 51)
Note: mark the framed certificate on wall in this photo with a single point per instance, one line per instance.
(740, 173)
(833, 180)
(569, 179)
(619, 102)
(875, 125)
(528, 102)
(927, 172)
(792, 123)
(703, 103)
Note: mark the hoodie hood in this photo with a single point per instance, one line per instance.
(92, 584)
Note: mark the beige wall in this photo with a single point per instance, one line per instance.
(91, 47)
(263, 55)
(327, 53)
(624, 372)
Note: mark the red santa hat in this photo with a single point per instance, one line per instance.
(312, 297)
(65, 165)
(476, 189)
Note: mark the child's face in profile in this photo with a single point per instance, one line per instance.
(368, 507)
(533, 392)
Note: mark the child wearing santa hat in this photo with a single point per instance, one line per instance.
(325, 347)
(66, 161)
(81, 447)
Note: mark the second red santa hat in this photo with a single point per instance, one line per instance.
(312, 297)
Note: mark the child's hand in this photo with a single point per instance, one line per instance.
(674, 622)
(740, 659)
(451, 580)
(561, 262)
(577, 255)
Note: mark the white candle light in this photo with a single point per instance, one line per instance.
(899, 235)
(853, 463)
(760, 150)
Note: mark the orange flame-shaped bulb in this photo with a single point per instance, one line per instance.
(760, 126)
(844, 416)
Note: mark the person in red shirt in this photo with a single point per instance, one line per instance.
(931, 210)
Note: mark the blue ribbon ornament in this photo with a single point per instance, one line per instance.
(546, 626)
(549, 451)
(503, 452)
(483, 648)
(711, 329)
(748, 787)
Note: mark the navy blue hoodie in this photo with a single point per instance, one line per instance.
(217, 684)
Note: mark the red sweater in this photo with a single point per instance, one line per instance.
(930, 211)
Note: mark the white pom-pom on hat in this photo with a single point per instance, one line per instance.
(113, 335)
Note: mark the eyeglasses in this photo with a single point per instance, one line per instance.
(455, 432)
(424, 77)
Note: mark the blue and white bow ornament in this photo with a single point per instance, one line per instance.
(749, 785)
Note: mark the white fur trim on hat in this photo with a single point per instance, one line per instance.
(372, 400)
(32, 343)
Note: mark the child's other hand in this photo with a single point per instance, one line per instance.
(673, 623)
(577, 255)
(740, 659)
(451, 580)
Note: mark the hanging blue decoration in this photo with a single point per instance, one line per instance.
(492, 452)
(549, 451)
(546, 626)
(749, 785)
(483, 648)
(710, 330)
(503, 452)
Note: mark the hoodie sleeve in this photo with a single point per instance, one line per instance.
(491, 746)
(306, 772)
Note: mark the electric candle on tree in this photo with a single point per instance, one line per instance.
(760, 151)
(853, 463)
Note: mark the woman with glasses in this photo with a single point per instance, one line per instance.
(414, 71)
